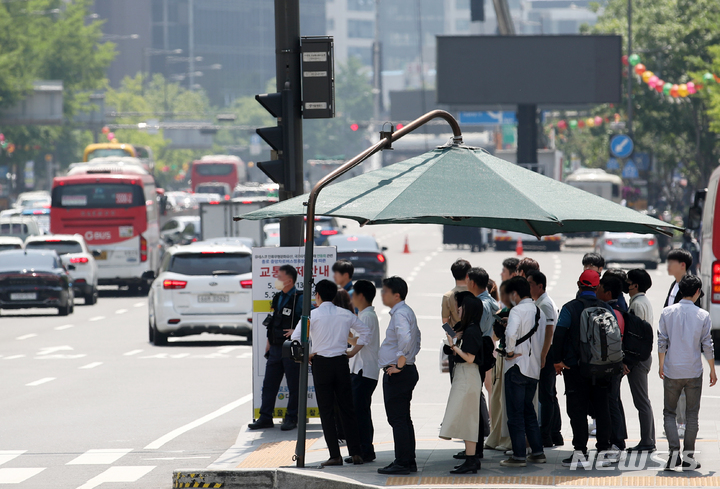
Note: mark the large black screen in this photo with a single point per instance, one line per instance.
(528, 69)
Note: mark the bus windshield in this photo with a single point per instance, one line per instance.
(97, 196)
(214, 169)
(103, 152)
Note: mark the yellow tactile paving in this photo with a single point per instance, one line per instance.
(675, 480)
(402, 481)
(638, 481)
(275, 454)
(604, 481)
(538, 480)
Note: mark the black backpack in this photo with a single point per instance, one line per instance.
(637, 340)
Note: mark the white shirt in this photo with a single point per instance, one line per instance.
(520, 321)
(684, 336)
(329, 330)
(640, 305)
(402, 338)
(548, 307)
(367, 358)
(673, 293)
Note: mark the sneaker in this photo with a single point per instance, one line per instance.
(593, 432)
(681, 430)
(673, 461)
(540, 458)
(513, 462)
(690, 463)
(592, 427)
(577, 460)
(510, 452)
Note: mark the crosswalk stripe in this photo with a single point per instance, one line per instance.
(91, 365)
(41, 381)
(132, 352)
(118, 474)
(7, 455)
(18, 476)
(100, 456)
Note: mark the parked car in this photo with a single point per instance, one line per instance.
(72, 250)
(10, 243)
(201, 289)
(19, 226)
(629, 248)
(363, 252)
(35, 278)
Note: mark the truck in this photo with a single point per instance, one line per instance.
(216, 219)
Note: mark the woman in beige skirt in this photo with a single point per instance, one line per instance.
(462, 415)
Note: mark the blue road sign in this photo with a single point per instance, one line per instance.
(621, 146)
(488, 118)
(612, 164)
(642, 160)
(630, 170)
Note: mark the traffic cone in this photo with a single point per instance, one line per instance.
(407, 247)
(519, 247)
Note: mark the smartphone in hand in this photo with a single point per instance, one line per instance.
(449, 330)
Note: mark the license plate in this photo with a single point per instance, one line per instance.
(23, 296)
(102, 256)
(630, 244)
(359, 270)
(209, 298)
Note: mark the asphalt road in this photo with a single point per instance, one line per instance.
(87, 401)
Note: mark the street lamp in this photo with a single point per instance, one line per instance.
(119, 37)
(147, 52)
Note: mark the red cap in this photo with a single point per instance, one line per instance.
(590, 278)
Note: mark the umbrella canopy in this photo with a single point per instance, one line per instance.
(468, 187)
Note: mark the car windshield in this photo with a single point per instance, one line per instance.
(32, 203)
(5, 247)
(14, 261)
(61, 247)
(209, 263)
(353, 243)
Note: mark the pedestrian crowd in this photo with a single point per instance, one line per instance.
(514, 341)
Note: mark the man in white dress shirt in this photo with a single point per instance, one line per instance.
(329, 330)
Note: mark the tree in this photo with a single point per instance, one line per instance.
(676, 40)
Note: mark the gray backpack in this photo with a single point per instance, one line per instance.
(601, 351)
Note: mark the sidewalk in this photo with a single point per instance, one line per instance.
(273, 449)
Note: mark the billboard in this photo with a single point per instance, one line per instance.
(512, 70)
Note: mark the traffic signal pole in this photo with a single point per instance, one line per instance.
(287, 75)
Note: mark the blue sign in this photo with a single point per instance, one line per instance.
(488, 118)
(642, 160)
(612, 164)
(630, 170)
(621, 146)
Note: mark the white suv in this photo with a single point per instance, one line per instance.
(202, 288)
(76, 257)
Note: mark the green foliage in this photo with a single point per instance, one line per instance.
(675, 38)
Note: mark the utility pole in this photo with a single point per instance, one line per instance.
(287, 75)
(191, 43)
(630, 70)
(377, 89)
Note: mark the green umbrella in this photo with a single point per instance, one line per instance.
(468, 187)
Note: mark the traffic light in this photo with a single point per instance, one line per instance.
(281, 169)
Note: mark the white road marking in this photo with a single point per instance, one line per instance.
(52, 349)
(198, 422)
(65, 326)
(167, 355)
(97, 318)
(26, 336)
(434, 253)
(18, 476)
(41, 381)
(13, 357)
(7, 455)
(245, 355)
(91, 365)
(121, 311)
(118, 474)
(410, 278)
(132, 352)
(177, 458)
(100, 456)
(139, 304)
(228, 349)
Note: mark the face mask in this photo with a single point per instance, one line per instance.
(279, 284)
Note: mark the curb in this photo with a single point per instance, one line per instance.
(262, 479)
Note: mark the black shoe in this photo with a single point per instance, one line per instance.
(548, 443)
(690, 463)
(673, 461)
(288, 425)
(332, 462)
(460, 456)
(261, 424)
(366, 460)
(558, 440)
(394, 469)
(642, 448)
(413, 466)
(471, 465)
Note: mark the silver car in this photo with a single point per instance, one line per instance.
(629, 248)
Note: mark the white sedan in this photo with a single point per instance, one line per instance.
(77, 259)
(201, 288)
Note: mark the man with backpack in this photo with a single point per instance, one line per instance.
(637, 369)
(588, 350)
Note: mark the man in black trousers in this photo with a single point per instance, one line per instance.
(329, 330)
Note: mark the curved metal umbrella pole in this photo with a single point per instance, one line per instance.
(309, 243)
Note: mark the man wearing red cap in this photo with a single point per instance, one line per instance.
(580, 391)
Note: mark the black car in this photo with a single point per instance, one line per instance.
(364, 253)
(325, 227)
(34, 278)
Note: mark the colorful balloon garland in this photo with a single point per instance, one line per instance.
(675, 91)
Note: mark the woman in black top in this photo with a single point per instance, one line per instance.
(462, 415)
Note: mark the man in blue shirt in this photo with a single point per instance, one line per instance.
(343, 272)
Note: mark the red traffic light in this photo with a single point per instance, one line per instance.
(354, 127)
